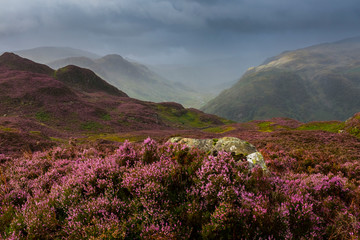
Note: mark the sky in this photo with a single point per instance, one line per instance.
(230, 34)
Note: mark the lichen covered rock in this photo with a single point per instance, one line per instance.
(256, 159)
(237, 147)
(234, 145)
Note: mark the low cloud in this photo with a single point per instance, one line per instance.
(200, 27)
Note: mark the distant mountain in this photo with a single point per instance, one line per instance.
(135, 79)
(210, 76)
(48, 54)
(321, 82)
(39, 105)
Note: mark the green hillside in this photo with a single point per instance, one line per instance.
(317, 83)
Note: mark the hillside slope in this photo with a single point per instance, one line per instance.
(137, 80)
(321, 82)
(38, 108)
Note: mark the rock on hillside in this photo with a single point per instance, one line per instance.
(237, 147)
(321, 82)
(228, 144)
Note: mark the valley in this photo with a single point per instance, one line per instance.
(80, 158)
(316, 83)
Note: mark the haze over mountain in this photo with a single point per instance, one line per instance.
(208, 76)
(41, 103)
(321, 82)
(194, 42)
(48, 54)
(137, 80)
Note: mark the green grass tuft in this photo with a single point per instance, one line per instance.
(91, 126)
(183, 117)
(113, 138)
(266, 126)
(323, 126)
(42, 116)
(106, 117)
(58, 140)
(220, 129)
(7, 129)
(355, 131)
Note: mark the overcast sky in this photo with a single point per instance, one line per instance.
(178, 31)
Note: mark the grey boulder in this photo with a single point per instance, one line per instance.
(237, 147)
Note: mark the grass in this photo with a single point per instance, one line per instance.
(106, 117)
(266, 126)
(183, 117)
(58, 140)
(328, 126)
(7, 129)
(219, 129)
(113, 138)
(355, 131)
(42, 116)
(332, 126)
(91, 126)
(38, 133)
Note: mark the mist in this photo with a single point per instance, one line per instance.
(200, 43)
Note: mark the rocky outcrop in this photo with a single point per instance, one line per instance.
(237, 147)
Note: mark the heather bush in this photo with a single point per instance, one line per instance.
(168, 191)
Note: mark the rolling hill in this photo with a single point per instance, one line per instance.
(320, 82)
(137, 80)
(40, 106)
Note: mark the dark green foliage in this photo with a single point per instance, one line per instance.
(106, 117)
(42, 116)
(91, 126)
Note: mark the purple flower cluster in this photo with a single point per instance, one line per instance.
(168, 191)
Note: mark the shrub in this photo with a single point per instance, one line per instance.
(168, 191)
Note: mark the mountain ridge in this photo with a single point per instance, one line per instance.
(47, 54)
(75, 102)
(329, 74)
(136, 79)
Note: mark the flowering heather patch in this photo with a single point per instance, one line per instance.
(168, 191)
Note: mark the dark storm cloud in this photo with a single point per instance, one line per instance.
(196, 26)
(145, 15)
(260, 16)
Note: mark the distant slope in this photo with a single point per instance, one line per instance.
(135, 79)
(14, 62)
(48, 54)
(321, 82)
(39, 107)
(85, 80)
